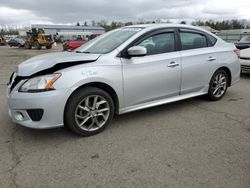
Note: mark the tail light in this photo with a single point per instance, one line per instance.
(237, 52)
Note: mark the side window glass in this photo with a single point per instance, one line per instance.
(192, 40)
(212, 39)
(159, 43)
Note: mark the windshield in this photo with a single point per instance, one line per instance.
(245, 39)
(108, 41)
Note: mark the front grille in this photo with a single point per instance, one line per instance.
(35, 114)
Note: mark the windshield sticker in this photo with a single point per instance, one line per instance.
(88, 73)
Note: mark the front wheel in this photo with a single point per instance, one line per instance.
(218, 85)
(88, 111)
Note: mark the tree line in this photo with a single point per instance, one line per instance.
(8, 32)
(217, 25)
(224, 24)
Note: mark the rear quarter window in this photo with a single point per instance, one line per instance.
(211, 40)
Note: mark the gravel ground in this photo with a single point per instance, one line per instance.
(192, 143)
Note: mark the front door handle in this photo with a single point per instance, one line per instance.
(211, 59)
(173, 64)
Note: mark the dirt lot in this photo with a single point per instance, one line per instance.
(192, 143)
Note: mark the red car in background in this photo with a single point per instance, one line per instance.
(73, 44)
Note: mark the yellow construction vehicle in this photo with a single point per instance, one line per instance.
(2, 41)
(37, 38)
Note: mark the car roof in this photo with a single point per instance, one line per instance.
(165, 25)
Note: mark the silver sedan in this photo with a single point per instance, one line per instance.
(124, 70)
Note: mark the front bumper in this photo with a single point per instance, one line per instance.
(245, 64)
(52, 104)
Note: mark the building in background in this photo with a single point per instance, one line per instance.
(233, 35)
(65, 32)
(54, 29)
(209, 29)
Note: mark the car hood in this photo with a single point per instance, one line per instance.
(245, 53)
(53, 60)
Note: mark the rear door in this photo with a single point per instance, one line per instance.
(198, 60)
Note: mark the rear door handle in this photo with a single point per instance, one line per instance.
(211, 59)
(173, 64)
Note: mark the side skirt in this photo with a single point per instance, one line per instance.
(162, 101)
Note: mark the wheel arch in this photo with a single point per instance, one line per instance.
(107, 88)
(227, 70)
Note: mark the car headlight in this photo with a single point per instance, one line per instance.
(40, 83)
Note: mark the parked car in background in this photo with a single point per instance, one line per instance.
(9, 37)
(245, 60)
(92, 36)
(243, 43)
(73, 44)
(124, 70)
(19, 42)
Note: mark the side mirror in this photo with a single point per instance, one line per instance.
(137, 51)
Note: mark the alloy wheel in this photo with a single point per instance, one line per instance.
(92, 113)
(219, 85)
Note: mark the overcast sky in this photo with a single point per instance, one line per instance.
(25, 12)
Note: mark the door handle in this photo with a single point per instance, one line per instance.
(173, 64)
(211, 59)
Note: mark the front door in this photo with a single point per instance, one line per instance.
(155, 76)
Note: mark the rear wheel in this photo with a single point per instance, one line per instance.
(48, 47)
(218, 85)
(37, 45)
(88, 111)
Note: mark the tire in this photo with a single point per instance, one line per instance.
(218, 85)
(27, 45)
(80, 115)
(48, 47)
(19, 45)
(37, 45)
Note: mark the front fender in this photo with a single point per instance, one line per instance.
(78, 76)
